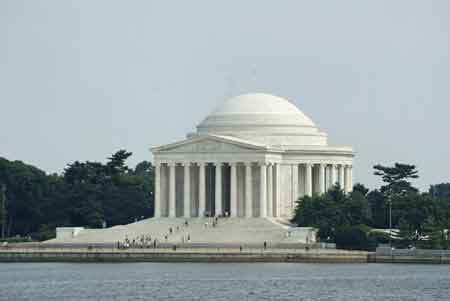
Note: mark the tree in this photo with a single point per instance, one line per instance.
(354, 238)
(434, 233)
(356, 208)
(440, 190)
(396, 178)
(330, 211)
(378, 209)
(405, 233)
(3, 212)
(358, 187)
(116, 163)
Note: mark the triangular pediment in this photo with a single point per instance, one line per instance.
(210, 144)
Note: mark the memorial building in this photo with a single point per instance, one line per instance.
(254, 156)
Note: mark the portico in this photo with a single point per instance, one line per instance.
(253, 157)
(233, 194)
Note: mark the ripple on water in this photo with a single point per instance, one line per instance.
(228, 281)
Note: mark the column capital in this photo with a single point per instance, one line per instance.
(218, 164)
(172, 164)
(233, 163)
(249, 164)
(186, 163)
(262, 163)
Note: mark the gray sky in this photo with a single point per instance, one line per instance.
(82, 79)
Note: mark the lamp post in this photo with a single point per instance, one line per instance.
(390, 222)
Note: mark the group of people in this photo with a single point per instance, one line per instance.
(146, 240)
(184, 238)
(140, 241)
(214, 223)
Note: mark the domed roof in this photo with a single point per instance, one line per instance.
(262, 104)
(263, 118)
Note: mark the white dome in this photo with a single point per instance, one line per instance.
(263, 118)
(260, 103)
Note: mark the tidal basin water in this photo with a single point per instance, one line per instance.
(227, 281)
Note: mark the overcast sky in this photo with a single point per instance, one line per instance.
(82, 79)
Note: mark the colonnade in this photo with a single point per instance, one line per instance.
(269, 187)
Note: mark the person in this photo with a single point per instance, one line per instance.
(265, 245)
(170, 230)
(240, 248)
(186, 223)
(165, 237)
(307, 239)
(154, 244)
(189, 238)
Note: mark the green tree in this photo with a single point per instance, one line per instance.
(354, 238)
(358, 187)
(440, 190)
(3, 211)
(378, 209)
(405, 233)
(434, 233)
(396, 178)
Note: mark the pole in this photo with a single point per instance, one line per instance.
(390, 222)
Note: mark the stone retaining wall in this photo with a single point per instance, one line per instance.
(169, 255)
(388, 255)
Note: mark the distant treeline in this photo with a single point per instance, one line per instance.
(91, 194)
(347, 219)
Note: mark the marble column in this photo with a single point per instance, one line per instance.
(277, 194)
(308, 180)
(350, 179)
(342, 176)
(333, 175)
(187, 190)
(157, 196)
(322, 178)
(172, 204)
(294, 196)
(202, 190)
(270, 190)
(233, 190)
(248, 190)
(263, 190)
(218, 199)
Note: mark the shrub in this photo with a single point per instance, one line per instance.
(354, 238)
(379, 237)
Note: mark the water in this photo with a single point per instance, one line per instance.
(223, 281)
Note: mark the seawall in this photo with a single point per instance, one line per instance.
(388, 255)
(221, 255)
(169, 255)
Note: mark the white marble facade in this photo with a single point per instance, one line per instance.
(255, 156)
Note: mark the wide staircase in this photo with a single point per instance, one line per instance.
(197, 231)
